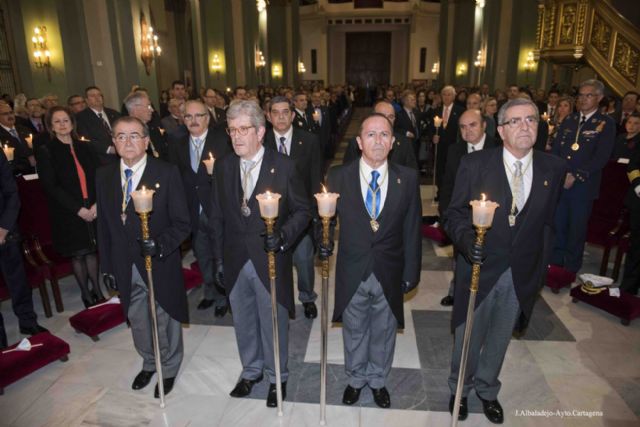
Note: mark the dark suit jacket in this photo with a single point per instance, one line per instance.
(403, 123)
(90, 127)
(169, 123)
(221, 118)
(595, 144)
(197, 186)
(28, 124)
(159, 141)
(238, 239)
(455, 154)
(305, 122)
(448, 137)
(9, 198)
(394, 252)
(524, 247)
(401, 153)
(323, 130)
(305, 150)
(168, 224)
(21, 165)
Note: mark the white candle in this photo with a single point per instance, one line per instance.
(8, 151)
(162, 131)
(437, 121)
(326, 203)
(143, 200)
(316, 115)
(29, 140)
(483, 211)
(83, 139)
(545, 117)
(209, 163)
(268, 204)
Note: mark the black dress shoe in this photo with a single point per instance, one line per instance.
(142, 379)
(492, 410)
(32, 330)
(381, 397)
(463, 413)
(447, 301)
(351, 395)
(272, 396)
(310, 310)
(205, 303)
(221, 311)
(168, 386)
(244, 386)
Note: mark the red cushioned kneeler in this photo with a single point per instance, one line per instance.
(18, 364)
(434, 233)
(96, 320)
(192, 277)
(626, 307)
(558, 278)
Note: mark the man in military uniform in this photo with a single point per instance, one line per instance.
(585, 140)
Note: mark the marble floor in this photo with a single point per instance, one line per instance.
(577, 363)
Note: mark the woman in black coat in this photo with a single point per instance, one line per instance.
(66, 166)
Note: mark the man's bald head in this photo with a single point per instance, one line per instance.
(472, 126)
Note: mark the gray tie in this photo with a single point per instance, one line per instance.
(247, 180)
(518, 185)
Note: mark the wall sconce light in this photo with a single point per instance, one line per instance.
(41, 52)
(260, 61)
(215, 63)
(530, 62)
(149, 46)
(480, 3)
(262, 5)
(436, 67)
(301, 68)
(276, 71)
(462, 69)
(481, 59)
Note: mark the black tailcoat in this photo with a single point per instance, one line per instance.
(168, 224)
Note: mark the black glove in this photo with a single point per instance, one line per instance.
(149, 247)
(408, 286)
(109, 281)
(218, 277)
(273, 242)
(475, 254)
(324, 252)
(317, 231)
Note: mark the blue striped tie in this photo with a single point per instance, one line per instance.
(128, 175)
(373, 188)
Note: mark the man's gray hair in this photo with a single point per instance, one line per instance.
(280, 100)
(516, 103)
(134, 99)
(448, 88)
(130, 119)
(596, 84)
(250, 109)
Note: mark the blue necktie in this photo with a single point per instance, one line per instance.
(373, 188)
(282, 148)
(128, 175)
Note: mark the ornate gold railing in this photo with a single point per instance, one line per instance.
(573, 31)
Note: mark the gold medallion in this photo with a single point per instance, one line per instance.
(512, 220)
(575, 146)
(374, 225)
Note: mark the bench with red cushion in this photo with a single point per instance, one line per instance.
(436, 234)
(97, 319)
(192, 277)
(18, 364)
(558, 278)
(626, 307)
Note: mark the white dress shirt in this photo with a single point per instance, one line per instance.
(287, 143)
(527, 169)
(138, 170)
(255, 172)
(478, 146)
(365, 178)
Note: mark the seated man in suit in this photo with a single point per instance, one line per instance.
(94, 123)
(187, 153)
(11, 264)
(23, 162)
(35, 122)
(379, 259)
(123, 251)
(304, 148)
(401, 151)
(240, 242)
(474, 138)
(526, 183)
(76, 103)
(176, 110)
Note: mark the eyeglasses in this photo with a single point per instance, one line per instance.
(189, 117)
(242, 130)
(133, 137)
(515, 122)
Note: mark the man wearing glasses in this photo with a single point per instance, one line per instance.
(585, 140)
(240, 242)
(122, 249)
(188, 153)
(526, 184)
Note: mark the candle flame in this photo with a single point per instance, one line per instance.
(484, 197)
(144, 189)
(324, 189)
(6, 146)
(211, 156)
